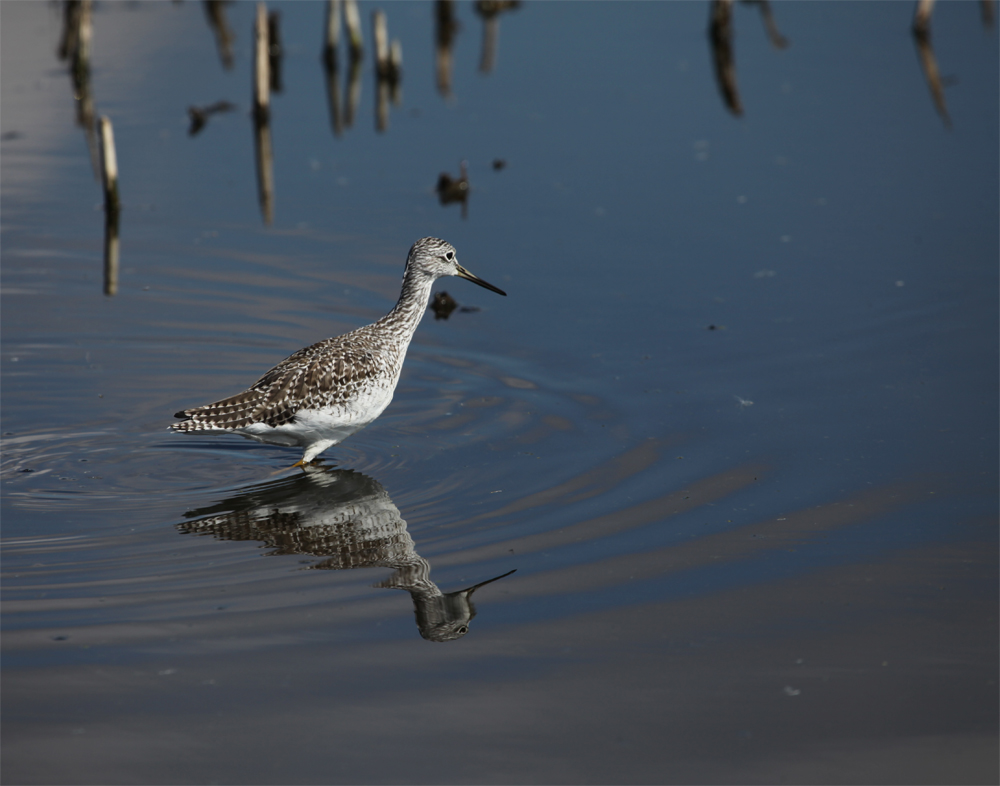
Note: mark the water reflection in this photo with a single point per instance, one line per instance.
(335, 10)
(262, 114)
(215, 11)
(388, 70)
(922, 37)
(74, 46)
(720, 34)
(275, 52)
(445, 29)
(349, 520)
(112, 205)
(489, 11)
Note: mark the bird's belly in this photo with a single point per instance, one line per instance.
(331, 424)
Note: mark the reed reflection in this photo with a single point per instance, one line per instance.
(342, 117)
(112, 205)
(215, 12)
(720, 34)
(388, 70)
(262, 114)
(347, 519)
(922, 37)
(74, 46)
(445, 29)
(490, 11)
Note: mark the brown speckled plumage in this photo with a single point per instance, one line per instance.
(323, 393)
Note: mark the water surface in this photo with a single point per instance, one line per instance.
(735, 426)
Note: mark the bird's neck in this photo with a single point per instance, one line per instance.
(412, 304)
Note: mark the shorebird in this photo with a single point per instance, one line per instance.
(323, 393)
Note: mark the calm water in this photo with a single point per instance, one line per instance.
(735, 426)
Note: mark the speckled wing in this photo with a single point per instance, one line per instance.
(322, 375)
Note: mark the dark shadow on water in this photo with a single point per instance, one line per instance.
(347, 519)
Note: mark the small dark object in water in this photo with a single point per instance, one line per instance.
(26, 469)
(498, 164)
(712, 327)
(60, 638)
(199, 115)
(442, 305)
(451, 190)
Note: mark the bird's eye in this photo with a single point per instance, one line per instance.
(450, 256)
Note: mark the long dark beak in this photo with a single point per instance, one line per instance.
(463, 273)
(473, 588)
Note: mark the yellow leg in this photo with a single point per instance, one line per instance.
(300, 463)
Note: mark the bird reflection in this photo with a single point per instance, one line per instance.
(349, 520)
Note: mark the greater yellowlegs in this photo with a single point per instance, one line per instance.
(322, 394)
(349, 521)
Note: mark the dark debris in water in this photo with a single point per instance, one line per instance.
(444, 304)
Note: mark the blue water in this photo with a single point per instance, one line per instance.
(735, 426)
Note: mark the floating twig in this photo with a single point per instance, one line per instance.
(199, 115)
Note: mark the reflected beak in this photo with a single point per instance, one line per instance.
(463, 273)
(473, 588)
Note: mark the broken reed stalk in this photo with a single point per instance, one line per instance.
(332, 33)
(112, 205)
(388, 59)
(381, 35)
(109, 165)
(262, 73)
(352, 20)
